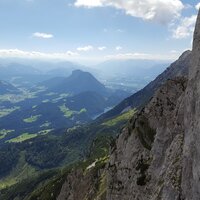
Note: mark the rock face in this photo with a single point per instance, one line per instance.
(77, 186)
(191, 154)
(157, 157)
(84, 185)
(146, 159)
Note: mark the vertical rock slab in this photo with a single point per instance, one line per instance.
(146, 160)
(191, 150)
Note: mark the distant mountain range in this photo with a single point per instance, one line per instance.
(140, 98)
(137, 68)
(76, 83)
(60, 102)
(26, 75)
(130, 75)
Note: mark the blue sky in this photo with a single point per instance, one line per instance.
(91, 31)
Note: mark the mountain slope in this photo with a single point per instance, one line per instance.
(7, 88)
(54, 150)
(140, 98)
(64, 113)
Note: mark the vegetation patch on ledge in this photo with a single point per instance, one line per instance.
(32, 119)
(4, 132)
(23, 137)
(123, 117)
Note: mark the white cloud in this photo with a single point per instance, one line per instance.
(197, 6)
(101, 48)
(73, 56)
(35, 55)
(71, 53)
(118, 48)
(161, 11)
(86, 48)
(42, 35)
(185, 28)
(88, 3)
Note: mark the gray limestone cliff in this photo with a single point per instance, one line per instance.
(146, 162)
(191, 150)
(157, 157)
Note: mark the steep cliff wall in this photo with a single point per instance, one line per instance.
(191, 154)
(158, 156)
(146, 159)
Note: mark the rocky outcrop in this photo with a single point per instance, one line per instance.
(146, 159)
(157, 157)
(191, 149)
(88, 184)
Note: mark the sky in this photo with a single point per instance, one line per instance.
(92, 31)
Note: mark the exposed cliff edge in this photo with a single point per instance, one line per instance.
(191, 149)
(146, 159)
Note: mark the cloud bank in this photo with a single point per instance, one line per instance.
(185, 28)
(102, 48)
(161, 11)
(72, 56)
(16, 53)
